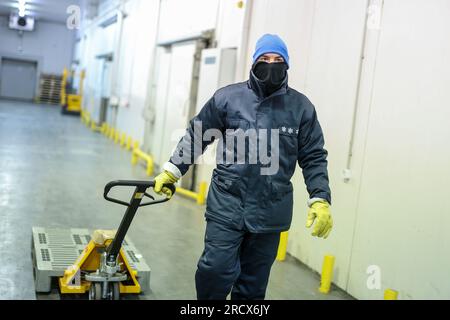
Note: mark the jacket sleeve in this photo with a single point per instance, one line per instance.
(312, 157)
(192, 145)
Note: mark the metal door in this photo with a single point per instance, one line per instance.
(18, 79)
(159, 100)
(173, 100)
(105, 90)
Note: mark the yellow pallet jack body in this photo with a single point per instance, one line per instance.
(89, 261)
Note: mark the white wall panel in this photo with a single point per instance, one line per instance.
(136, 59)
(292, 21)
(180, 18)
(159, 102)
(230, 23)
(403, 215)
(331, 77)
(93, 67)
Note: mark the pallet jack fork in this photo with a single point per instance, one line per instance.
(103, 269)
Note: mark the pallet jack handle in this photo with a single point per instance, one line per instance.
(141, 187)
(132, 207)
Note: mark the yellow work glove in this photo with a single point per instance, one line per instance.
(320, 212)
(163, 178)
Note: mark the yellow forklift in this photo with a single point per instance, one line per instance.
(71, 100)
(108, 265)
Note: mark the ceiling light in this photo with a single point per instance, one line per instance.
(22, 8)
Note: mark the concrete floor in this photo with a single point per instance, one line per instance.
(52, 173)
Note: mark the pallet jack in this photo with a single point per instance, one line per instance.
(105, 267)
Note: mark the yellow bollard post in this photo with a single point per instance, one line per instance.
(87, 118)
(327, 274)
(82, 76)
(134, 157)
(123, 138)
(136, 144)
(103, 129)
(112, 133)
(149, 170)
(129, 143)
(116, 137)
(282, 246)
(390, 294)
(201, 199)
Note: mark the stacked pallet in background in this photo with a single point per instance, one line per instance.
(49, 89)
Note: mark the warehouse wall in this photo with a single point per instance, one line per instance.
(50, 43)
(136, 51)
(95, 42)
(403, 215)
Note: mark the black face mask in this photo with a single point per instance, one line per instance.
(271, 75)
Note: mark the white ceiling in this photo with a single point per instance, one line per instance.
(48, 10)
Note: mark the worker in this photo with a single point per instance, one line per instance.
(246, 210)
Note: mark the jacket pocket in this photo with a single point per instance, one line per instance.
(288, 140)
(273, 192)
(281, 191)
(226, 184)
(278, 213)
(223, 198)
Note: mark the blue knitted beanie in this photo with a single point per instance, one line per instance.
(271, 43)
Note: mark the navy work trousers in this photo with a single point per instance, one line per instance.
(235, 260)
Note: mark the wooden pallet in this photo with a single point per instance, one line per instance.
(49, 89)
